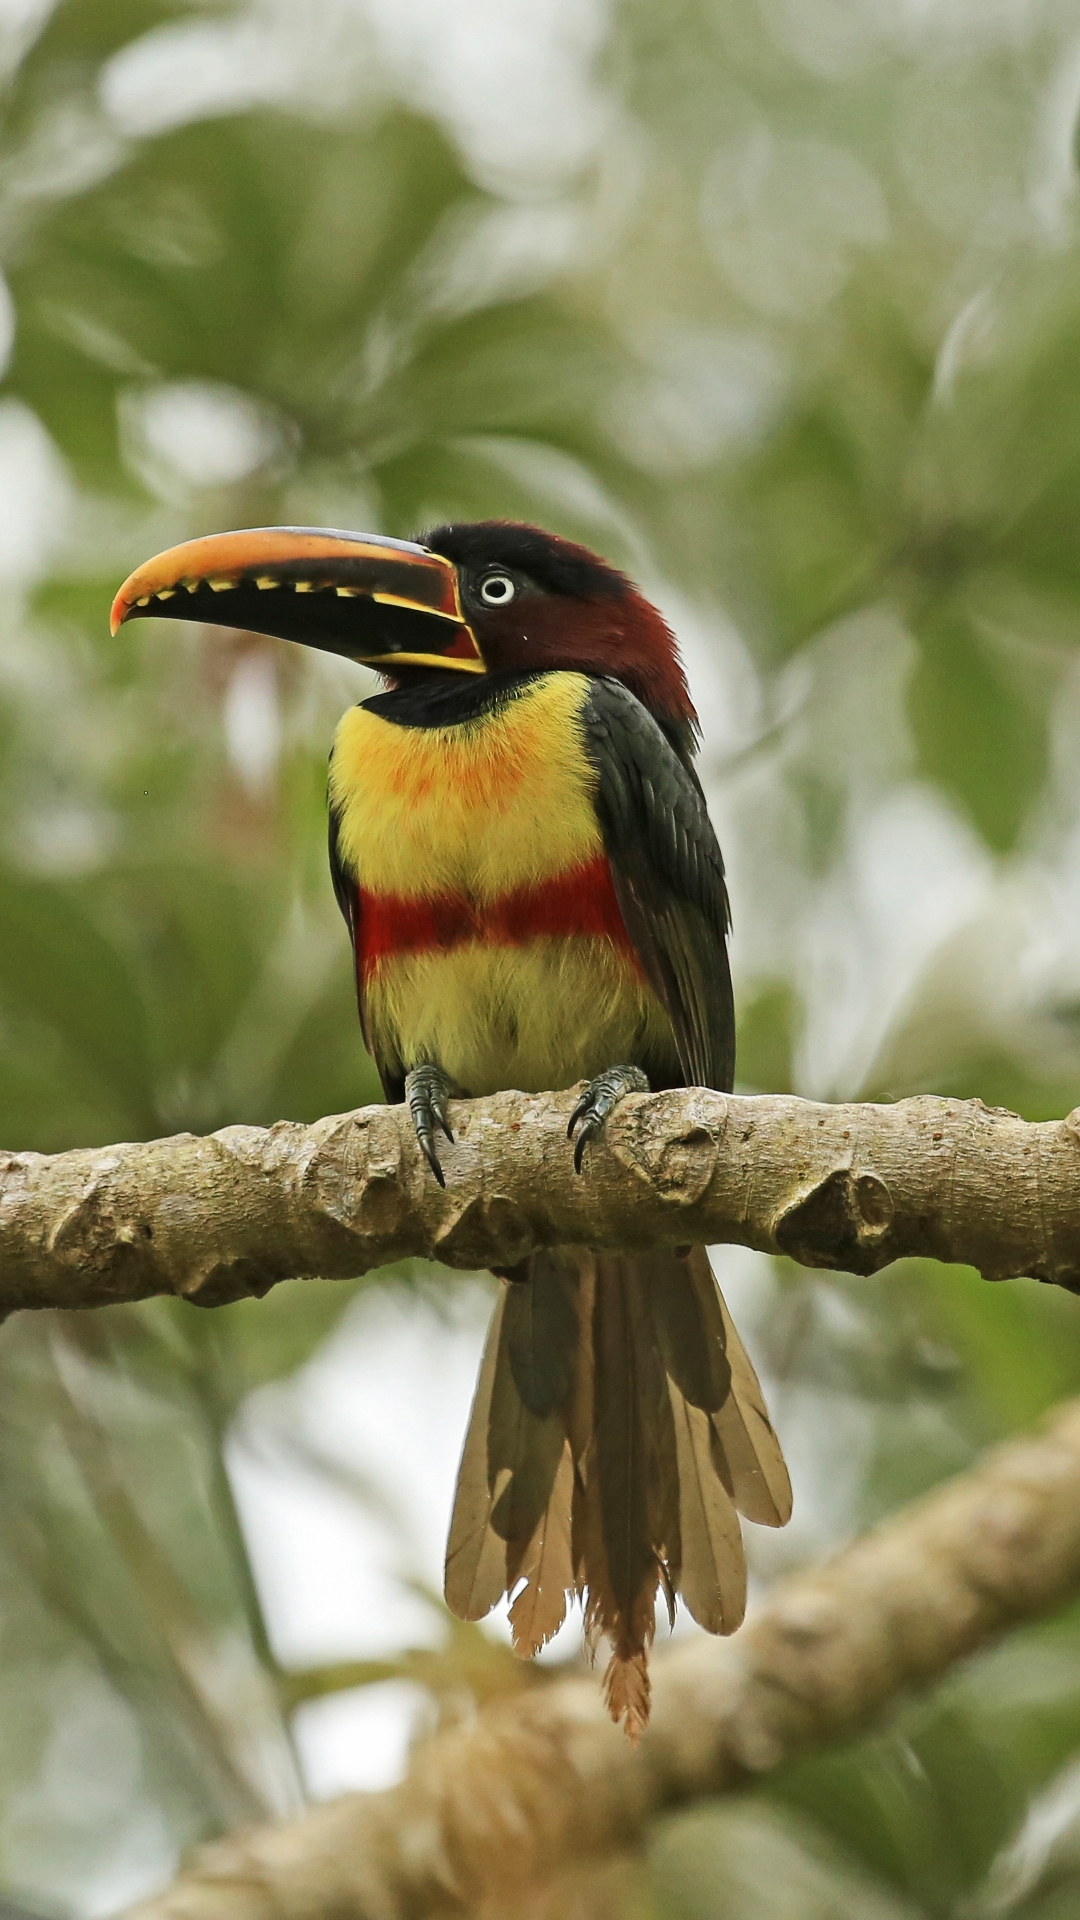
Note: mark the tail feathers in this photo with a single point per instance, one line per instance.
(624, 1463)
(475, 1573)
(712, 1578)
(707, 1361)
(628, 1624)
(628, 1692)
(546, 1567)
(617, 1426)
(510, 1503)
(744, 1433)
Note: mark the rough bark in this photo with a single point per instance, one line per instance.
(492, 1812)
(850, 1187)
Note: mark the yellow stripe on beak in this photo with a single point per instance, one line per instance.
(386, 602)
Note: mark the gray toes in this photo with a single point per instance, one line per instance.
(428, 1090)
(599, 1099)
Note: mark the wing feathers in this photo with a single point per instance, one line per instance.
(668, 875)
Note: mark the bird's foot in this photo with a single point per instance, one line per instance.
(599, 1098)
(427, 1090)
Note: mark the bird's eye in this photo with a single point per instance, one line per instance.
(497, 589)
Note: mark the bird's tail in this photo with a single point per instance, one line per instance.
(617, 1432)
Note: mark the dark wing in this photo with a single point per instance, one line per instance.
(669, 877)
(346, 889)
(347, 894)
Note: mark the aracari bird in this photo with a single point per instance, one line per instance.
(535, 896)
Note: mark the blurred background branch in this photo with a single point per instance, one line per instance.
(777, 302)
(827, 1650)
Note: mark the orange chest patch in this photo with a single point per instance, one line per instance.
(478, 813)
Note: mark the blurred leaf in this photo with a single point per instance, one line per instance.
(267, 1339)
(819, 548)
(766, 1030)
(927, 1804)
(744, 1861)
(468, 1670)
(978, 736)
(63, 982)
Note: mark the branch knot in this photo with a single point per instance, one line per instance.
(842, 1222)
(671, 1141)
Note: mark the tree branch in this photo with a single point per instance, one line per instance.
(850, 1187)
(536, 1786)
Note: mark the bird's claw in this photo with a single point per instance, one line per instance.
(427, 1090)
(598, 1100)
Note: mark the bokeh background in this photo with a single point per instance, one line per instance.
(777, 303)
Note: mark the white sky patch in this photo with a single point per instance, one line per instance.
(89, 1802)
(360, 1738)
(187, 434)
(512, 80)
(827, 1436)
(63, 837)
(191, 70)
(24, 16)
(912, 875)
(706, 390)
(35, 495)
(387, 1403)
(1052, 922)
(724, 683)
(503, 253)
(252, 719)
(20, 23)
(388, 1399)
(786, 219)
(275, 52)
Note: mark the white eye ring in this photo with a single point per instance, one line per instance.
(497, 590)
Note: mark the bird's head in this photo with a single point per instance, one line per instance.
(493, 596)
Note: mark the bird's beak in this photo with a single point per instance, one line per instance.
(390, 603)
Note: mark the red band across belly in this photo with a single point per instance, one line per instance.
(580, 902)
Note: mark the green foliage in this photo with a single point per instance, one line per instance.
(766, 1038)
(807, 356)
(976, 734)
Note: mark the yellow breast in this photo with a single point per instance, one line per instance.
(543, 1015)
(504, 801)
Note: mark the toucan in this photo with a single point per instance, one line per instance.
(535, 897)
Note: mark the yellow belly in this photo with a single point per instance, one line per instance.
(533, 1017)
(481, 810)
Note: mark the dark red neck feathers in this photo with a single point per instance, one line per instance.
(572, 611)
(624, 637)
